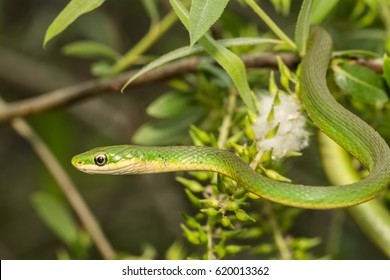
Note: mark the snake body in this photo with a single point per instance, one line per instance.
(350, 132)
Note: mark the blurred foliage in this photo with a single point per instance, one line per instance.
(140, 215)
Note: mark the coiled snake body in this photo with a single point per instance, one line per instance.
(350, 132)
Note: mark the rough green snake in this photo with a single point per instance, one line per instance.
(350, 132)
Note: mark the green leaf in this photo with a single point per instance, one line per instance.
(187, 51)
(235, 249)
(203, 14)
(56, 216)
(209, 212)
(321, 10)
(193, 199)
(170, 104)
(243, 216)
(361, 83)
(169, 131)
(232, 64)
(68, 15)
(303, 27)
(190, 221)
(202, 135)
(90, 49)
(386, 69)
(360, 53)
(192, 185)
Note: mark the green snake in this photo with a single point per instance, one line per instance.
(350, 132)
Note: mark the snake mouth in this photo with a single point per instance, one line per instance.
(77, 163)
(81, 165)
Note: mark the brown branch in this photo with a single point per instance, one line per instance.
(69, 95)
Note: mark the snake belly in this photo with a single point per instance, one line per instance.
(349, 131)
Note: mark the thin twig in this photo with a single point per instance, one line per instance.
(227, 120)
(280, 241)
(150, 38)
(65, 183)
(69, 95)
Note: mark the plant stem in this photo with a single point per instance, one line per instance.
(210, 242)
(372, 217)
(280, 241)
(227, 120)
(154, 33)
(271, 24)
(65, 183)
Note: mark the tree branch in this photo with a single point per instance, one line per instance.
(91, 88)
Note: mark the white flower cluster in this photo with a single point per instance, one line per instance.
(283, 130)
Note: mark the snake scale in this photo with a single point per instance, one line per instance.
(345, 128)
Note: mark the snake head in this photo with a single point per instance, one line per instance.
(102, 160)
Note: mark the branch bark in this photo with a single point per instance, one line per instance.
(92, 88)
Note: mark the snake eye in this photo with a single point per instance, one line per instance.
(100, 160)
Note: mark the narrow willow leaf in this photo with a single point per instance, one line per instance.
(321, 10)
(251, 233)
(90, 49)
(232, 64)
(276, 176)
(231, 234)
(305, 243)
(386, 69)
(235, 249)
(361, 83)
(192, 236)
(360, 53)
(203, 14)
(192, 185)
(243, 216)
(68, 15)
(209, 212)
(170, 104)
(303, 27)
(187, 51)
(201, 134)
(190, 221)
(56, 216)
(193, 199)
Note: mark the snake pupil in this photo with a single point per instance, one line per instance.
(100, 160)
